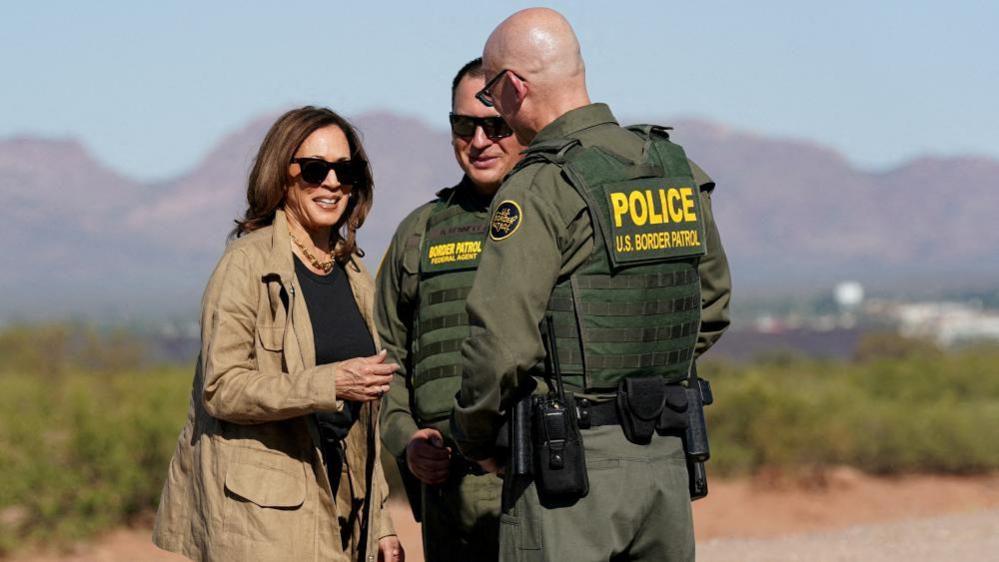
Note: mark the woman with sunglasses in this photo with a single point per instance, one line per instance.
(279, 457)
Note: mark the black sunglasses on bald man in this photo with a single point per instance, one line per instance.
(485, 95)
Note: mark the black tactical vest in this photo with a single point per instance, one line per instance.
(449, 254)
(634, 307)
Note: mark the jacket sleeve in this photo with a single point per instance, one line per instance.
(394, 312)
(382, 520)
(716, 281)
(385, 526)
(505, 307)
(234, 390)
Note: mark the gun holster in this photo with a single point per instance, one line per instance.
(647, 404)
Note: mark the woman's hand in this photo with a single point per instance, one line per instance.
(390, 550)
(363, 379)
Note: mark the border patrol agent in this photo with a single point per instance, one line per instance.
(609, 231)
(420, 311)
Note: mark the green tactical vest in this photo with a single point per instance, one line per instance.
(634, 307)
(449, 255)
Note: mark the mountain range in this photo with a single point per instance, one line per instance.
(80, 239)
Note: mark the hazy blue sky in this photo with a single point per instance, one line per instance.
(150, 87)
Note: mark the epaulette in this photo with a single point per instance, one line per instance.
(646, 130)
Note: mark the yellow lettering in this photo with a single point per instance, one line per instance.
(688, 204)
(663, 205)
(635, 200)
(654, 218)
(619, 201)
(675, 212)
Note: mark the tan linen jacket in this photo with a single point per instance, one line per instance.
(247, 480)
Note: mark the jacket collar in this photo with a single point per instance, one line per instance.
(570, 124)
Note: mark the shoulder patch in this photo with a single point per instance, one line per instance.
(506, 220)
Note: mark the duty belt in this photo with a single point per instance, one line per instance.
(461, 467)
(591, 414)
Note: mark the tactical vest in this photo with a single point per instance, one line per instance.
(449, 255)
(634, 307)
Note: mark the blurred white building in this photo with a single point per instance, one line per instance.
(947, 323)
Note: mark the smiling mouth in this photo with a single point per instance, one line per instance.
(328, 202)
(483, 161)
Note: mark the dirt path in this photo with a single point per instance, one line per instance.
(839, 516)
(965, 537)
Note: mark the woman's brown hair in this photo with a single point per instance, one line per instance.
(269, 179)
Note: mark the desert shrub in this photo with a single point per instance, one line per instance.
(84, 452)
(87, 430)
(919, 412)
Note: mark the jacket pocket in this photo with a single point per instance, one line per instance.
(264, 495)
(271, 337)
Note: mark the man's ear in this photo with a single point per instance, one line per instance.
(519, 86)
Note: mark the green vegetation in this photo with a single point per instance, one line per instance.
(84, 439)
(86, 432)
(900, 406)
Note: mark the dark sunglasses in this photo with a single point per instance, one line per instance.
(495, 128)
(315, 170)
(485, 95)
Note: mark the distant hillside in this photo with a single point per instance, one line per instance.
(81, 239)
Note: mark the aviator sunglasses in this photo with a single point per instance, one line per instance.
(315, 170)
(495, 128)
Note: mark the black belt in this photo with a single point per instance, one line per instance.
(460, 466)
(592, 414)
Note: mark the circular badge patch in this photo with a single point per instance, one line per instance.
(505, 221)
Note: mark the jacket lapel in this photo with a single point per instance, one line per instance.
(299, 331)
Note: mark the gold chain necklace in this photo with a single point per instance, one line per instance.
(325, 266)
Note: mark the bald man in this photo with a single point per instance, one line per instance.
(608, 231)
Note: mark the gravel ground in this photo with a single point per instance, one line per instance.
(965, 537)
(915, 519)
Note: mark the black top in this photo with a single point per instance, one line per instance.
(340, 333)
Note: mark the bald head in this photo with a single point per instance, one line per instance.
(539, 45)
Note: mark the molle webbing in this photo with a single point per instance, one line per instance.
(646, 308)
(622, 315)
(437, 348)
(648, 281)
(446, 276)
(648, 360)
(449, 321)
(448, 295)
(627, 335)
(434, 373)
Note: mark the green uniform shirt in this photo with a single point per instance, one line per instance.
(553, 237)
(397, 299)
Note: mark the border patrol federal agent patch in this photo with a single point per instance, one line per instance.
(506, 220)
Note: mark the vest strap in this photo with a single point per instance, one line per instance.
(646, 281)
(646, 308)
(437, 348)
(424, 376)
(630, 335)
(650, 360)
(448, 295)
(450, 321)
